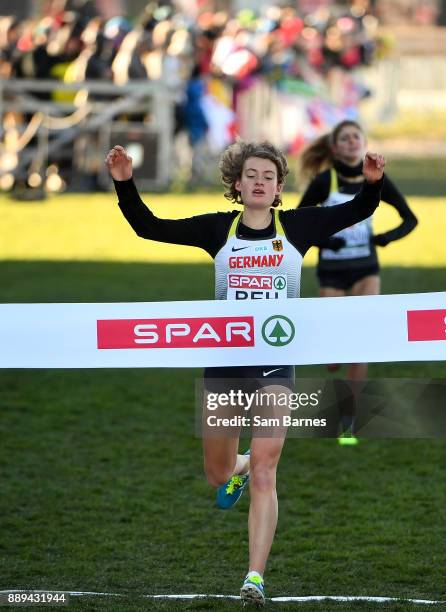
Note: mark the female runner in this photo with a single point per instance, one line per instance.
(348, 261)
(254, 175)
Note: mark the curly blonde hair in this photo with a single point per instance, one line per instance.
(234, 157)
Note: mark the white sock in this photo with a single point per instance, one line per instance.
(256, 574)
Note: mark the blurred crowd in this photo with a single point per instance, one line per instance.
(71, 38)
(279, 73)
(411, 12)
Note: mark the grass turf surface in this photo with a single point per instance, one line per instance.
(102, 485)
(91, 228)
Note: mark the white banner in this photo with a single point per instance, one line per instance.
(221, 333)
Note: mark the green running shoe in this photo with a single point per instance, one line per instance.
(229, 493)
(252, 591)
(347, 438)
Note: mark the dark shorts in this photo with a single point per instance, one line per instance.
(344, 279)
(218, 380)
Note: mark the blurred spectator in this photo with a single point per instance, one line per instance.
(415, 12)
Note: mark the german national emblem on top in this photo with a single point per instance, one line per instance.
(277, 245)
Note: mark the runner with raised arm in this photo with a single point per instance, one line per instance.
(254, 176)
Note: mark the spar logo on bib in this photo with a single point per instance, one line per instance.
(278, 330)
(201, 332)
(250, 281)
(256, 281)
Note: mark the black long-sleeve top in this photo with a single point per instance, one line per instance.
(304, 227)
(318, 191)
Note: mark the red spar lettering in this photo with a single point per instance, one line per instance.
(197, 332)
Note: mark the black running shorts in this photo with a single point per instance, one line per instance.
(344, 279)
(218, 380)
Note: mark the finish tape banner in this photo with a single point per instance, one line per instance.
(224, 333)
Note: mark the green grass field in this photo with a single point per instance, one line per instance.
(101, 472)
(79, 227)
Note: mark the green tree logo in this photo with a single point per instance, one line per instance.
(278, 330)
(279, 283)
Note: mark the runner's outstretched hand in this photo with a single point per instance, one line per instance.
(373, 167)
(380, 240)
(119, 163)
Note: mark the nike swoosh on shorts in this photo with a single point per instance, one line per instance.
(271, 371)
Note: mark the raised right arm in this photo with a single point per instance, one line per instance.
(202, 231)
